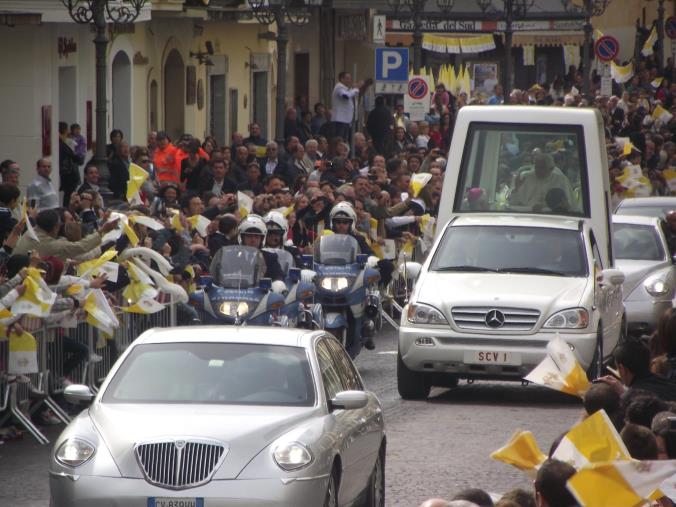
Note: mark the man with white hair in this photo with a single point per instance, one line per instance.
(311, 150)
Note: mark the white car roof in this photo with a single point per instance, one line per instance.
(636, 220)
(648, 201)
(228, 334)
(524, 220)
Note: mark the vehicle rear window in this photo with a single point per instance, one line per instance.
(213, 373)
(523, 168)
(637, 242)
(527, 250)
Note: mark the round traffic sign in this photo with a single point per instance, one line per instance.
(670, 27)
(606, 48)
(417, 88)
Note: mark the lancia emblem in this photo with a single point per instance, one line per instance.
(495, 319)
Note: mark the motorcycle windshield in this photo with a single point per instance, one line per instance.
(336, 249)
(240, 267)
(284, 258)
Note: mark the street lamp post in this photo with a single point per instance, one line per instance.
(282, 12)
(589, 9)
(660, 34)
(99, 13)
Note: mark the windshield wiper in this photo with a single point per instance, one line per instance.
(539, 271)
(466, 268)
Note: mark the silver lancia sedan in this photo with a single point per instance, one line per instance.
(224, 416)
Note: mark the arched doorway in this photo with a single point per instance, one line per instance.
(122, 94)
(174, 95)
(154, 105)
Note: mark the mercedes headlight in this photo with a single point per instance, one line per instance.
(573, 318)
(292, 456)
(234, 308)
(74, 452)
(334, 283)
(420, 313)
(656, 287)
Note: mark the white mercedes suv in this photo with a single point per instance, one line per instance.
(495, 289)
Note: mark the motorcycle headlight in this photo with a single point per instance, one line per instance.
(656, 287)
(334, 283)
(74, 452)
(573, 318)
(420, 313)
(234, 308)
(292, 456)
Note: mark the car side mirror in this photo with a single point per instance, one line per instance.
(612, 276)
(349, 400)
(411, 269)
(78, 393)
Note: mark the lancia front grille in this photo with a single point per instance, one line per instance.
(488, 318)
(180, 463)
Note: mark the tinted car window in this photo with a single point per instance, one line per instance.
(530, 250)
(637, 242)
(330, 373)
(213, 373)
(348, 374)
(643, 211)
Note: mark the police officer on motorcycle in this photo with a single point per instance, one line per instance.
(343, 221)
(278, 228)
(251, 232)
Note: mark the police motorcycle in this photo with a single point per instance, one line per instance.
(298, 307)
(346, 282)
(236, 292)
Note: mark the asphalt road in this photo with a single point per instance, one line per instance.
(435, 447)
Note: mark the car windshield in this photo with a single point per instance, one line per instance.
(213, 373)
(637, 242)
(529, 250)
(644, 211)
(523, 168)
(336, 249)
(240, 267)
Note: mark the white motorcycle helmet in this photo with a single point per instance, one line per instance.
(275, 220)
(252, 224)
(344, 210)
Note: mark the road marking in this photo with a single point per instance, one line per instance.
(388, 352)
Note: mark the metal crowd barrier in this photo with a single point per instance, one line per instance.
(21, 396)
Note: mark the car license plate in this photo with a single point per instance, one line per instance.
(492, 357)
(175, 502)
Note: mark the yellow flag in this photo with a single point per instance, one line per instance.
(37, 299)
(131, 234)
(137, 176)
(74, 289)
(559, 370)
(144, 306)
(288, 211)
(621, 73)
(521, 451)
(373, 228)
(99, 313)
(5, 313)
(176, 222)
(92, 267)
(659, 113)
(626, 150)
(23, 354)
(24, 216)
(200, 223)
(649, 42)
(418, 182)
(619, 484)
(594, 440)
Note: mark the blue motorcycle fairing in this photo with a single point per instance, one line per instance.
(334, 320)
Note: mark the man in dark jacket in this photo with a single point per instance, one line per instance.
(633, 362)
(69, 164)
(380, 124)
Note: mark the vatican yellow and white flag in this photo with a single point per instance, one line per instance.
(621, 73)
(559, 370)
(521, 451)
(594, 440)
(99, 313)
(199, 223)
(176, 221)
(131, 235)
(23, 354)
(655, 83)
(24, 216)
(137, 177)
(669, 176)
(93, 267)
(150, 223)
(245, 204)
(661, 114)
(649, 43)
(37, 299)
(144, 305)
(620, 484)
(418, 182)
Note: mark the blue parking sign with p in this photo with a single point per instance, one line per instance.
(392, 64)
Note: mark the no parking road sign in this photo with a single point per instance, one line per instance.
(670, 27)
(417, 98)
(606, 48)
